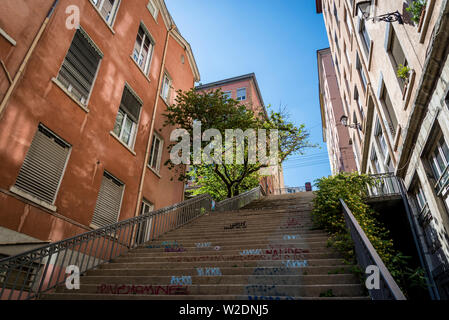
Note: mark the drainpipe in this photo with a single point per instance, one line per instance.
(429, 279)
(27, 57)
(147, 152)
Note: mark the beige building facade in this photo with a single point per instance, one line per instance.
(341, 150)
(393, 74)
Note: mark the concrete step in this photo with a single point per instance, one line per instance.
(73, 296)
(340, 290)
(228, 279)
(220, 257)
(246, 271)
(210, 261)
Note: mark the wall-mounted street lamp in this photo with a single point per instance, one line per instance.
(344, 121)
(365, 9)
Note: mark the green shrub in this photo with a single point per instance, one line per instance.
(328, 215)
(416, 9)
(403, 72)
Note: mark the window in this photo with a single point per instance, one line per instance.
(125, 127)
(166, 88)
(107, 8)
(109, 201)
(143, 49)
(378, 133)
(396, 53)
(227, 94)
(336, 16)
(20, 276)
(152, 8)
(359, 103)
(391, 121)
(156, 153)
(336, 43)
(364, 35)
(359, 68)
(439, 159)
(42, 170)
(241, 94)
(375, 161)
(144, 228)
(78, 71)
(348, 22)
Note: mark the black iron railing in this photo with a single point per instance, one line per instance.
(289, 190)
(367, 256)
(385, 184)
(239, 201)
(26, 275)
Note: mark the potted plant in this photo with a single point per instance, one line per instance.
(417, 11)
(403, 72)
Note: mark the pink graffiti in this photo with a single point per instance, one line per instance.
(142, 289)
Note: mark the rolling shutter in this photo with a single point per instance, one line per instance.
(130, 104)
(109, 201)
(43, 166)
(80, 65)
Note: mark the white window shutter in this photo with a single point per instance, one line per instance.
(109, 201)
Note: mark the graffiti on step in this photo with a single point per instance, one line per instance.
(270, 298)
(182, 280)
(265, 290)
(291, 223)
(291, 237)
(217, 248)
(208, 272)
(213, 258)
(251, 252)
(175, 249)
(271, 271)
(142, 289)
(167, 245)
(203, 244)
(295, 263)
(237, 225)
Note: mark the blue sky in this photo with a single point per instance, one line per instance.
(277, 40)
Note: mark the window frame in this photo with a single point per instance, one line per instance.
(170, 86)
(156, 9)
(67, 90)
(159, 154)
(135, 125)
(146, 35)
(245, 96)
(115, 8)
(29, 196)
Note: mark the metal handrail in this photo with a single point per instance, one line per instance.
(291, 190)
(31, 273)
(239, 201)
(368, 256)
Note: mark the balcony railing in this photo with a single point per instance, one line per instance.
(239, 201)
(367, 256)
(386, 184)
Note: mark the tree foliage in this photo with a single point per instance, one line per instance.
(215, 111)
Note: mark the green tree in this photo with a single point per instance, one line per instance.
(216, 111)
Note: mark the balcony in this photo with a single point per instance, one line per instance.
(386, 187)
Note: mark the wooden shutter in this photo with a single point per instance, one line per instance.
(109, 201)
(80, 65)
(44, 165)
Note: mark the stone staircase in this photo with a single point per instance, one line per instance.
(265, 251)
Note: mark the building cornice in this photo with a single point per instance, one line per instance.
(170, 25)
